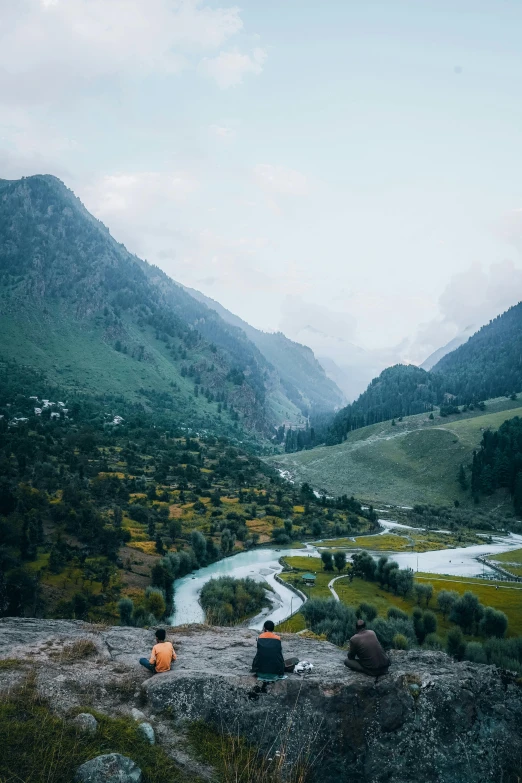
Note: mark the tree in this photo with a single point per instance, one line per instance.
(340, 560)
(418, 625)
(159, 545)
(462, 478)
(493, 623)
(155, 602)
(445, 600)
(327, 559)
(430, 622)
(125, 609)
(199, 546)
(455, 644)
(467, 611)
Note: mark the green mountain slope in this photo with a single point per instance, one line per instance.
(304, 379)
(489, 363)
(415, 461)
(75, 303)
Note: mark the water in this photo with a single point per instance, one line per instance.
(262, 564)
(259, 564)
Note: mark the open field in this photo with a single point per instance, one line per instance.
(414, 461)
(414, 541)
(501, 595)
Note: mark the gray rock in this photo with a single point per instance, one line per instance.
(86, 722)
(148, 732)
(138, 715)
(461, 721)
(112, 768)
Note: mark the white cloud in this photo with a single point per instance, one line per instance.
(281, 180)
(222, 132)
(136, 196)
(48, 49)
(228, 68)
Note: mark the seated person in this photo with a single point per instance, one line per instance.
(366, 654)
(161, 656)
(269, 656)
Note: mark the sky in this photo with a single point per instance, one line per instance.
(349, 172)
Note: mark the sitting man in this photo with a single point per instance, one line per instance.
(161, 656)
(366, 654)
(269, 656)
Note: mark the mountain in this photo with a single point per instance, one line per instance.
(489, 363)
(457, 341)
(76, 304)
(302, 376)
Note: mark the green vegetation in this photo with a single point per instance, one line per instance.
(229, 601)
(39, 747)
(93, 512)
(415, 461)
(498, 463)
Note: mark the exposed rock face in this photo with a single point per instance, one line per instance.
(86, 722)
(111, 768)
(430, 719)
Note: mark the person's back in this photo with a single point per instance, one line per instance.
(162, 655)
(366, 654)
(269, 656)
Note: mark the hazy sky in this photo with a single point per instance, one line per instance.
(350, 167)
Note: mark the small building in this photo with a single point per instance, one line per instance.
(309, 579)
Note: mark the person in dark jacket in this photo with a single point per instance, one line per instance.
(269, 656)
(366, 654)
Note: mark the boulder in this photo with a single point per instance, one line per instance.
(111, 768)
(137, 715)
(148, 732)
(86, 723)
(428, 719)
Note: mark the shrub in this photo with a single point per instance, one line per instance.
(430, 622)
(331, 618)
(493, 623)
(418, 624)
(125, 608)
(227, 601)
(367, 611)
(399, 642)
(396, 614)
(455, 645)
(475, 652)
(433, 642)
(77, 651)
(445, 600)
(155, 602)
(467, 612)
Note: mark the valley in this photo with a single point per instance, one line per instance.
(404, 462)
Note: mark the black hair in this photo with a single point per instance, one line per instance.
(269, 626)
(360, 624)
(160, 634)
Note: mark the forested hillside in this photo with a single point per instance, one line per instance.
(304, 380)
(498, 463)
(76, 304)
(103, 502)
(489, 364)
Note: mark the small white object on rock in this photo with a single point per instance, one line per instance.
(138, 715)
(111, 768)
(148, 732)
(86, 722)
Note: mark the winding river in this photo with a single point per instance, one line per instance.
(263, 565)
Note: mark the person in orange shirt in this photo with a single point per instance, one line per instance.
(162, 655)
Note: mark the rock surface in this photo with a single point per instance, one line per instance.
(460, 724)
(111, 768)
(148, 732)
(86, 722)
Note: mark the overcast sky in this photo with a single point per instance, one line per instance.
(345, 166)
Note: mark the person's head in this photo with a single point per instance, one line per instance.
(160, 634)
(360, 625)
(269, 626)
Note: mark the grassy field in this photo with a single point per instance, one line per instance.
(501, 595)
(415, 461)
(397, 542)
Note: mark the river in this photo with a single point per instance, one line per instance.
(263, 565)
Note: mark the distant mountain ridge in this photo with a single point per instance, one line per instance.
(487, 366)
(302, 375)
(76, 304)
(457, 341)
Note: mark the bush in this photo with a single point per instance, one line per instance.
(125, 608)
(399, 642)
(155, 602)
(430, 622)
(366, 611)
(467, 612)
(331, 618)
(505, 653)
(475, 652)
(418, 624)
(433, 642)
(446, 600)
(394, 613)
(493, 623)
(455, 645)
